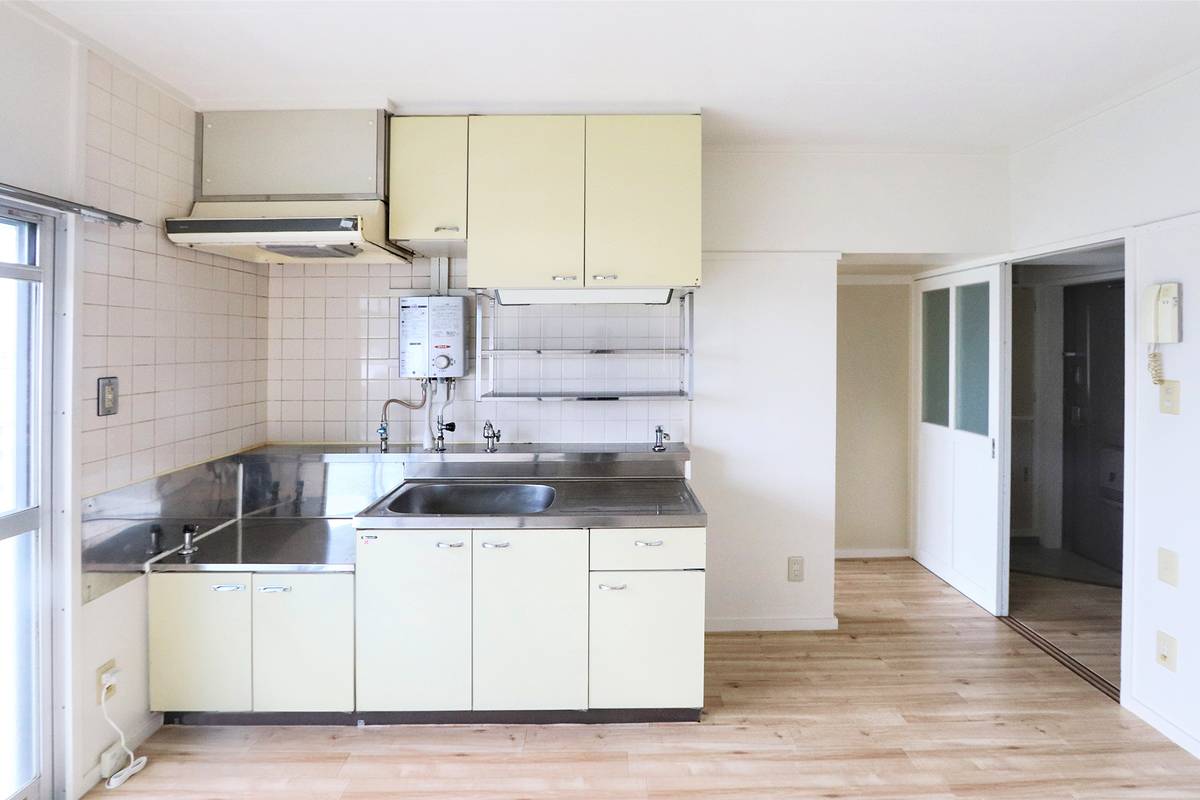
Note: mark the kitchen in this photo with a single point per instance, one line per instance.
(490, 396)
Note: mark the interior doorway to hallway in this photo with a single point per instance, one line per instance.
(1068, 452)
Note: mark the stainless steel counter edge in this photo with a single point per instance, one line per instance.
(475, 453)
(259, 568)
(572, 522)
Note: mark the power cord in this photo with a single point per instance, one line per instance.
(136, 764)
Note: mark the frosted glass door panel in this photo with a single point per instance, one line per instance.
(972, 325)
(935, 357)
(19, 690)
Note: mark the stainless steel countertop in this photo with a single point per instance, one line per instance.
(578, 503)
(475, 453)
(276, 544)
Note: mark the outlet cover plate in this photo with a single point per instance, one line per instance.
(103, 668)
(1168, 567)
(1167, 651)
(796, 568)
(1169, 397)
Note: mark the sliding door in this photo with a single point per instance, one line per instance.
(958, 475)
(26, 247)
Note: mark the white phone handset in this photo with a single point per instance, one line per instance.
(1160, 320)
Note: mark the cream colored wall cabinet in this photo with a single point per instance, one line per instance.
(427, 181)
(647, 639)
(414, 620)
(200, 648)
(525, 202)
(303, 642)
(643, 201)
(530, 619)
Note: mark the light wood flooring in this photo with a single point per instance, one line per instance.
(1081, 619)
(919, 694)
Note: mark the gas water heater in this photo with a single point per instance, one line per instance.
(433, 334)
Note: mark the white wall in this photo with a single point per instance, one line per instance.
(40, 98)
(1132, 164)
(763, 437)
(1164, 505)
(873, 323)
(855, 202)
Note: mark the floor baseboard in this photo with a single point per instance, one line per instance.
(872, 552)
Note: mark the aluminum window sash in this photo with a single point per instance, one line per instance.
(20, 272)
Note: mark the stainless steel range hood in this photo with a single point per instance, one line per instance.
(281, 231)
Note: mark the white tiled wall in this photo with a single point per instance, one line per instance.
(185, 332)
(333, 362)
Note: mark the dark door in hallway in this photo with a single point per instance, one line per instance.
(1094, 423)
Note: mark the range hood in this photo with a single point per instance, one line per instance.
(281, 231)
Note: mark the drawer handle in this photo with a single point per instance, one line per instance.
(494, 545)
(447, 545)
(648, 543)
(451, 228)
(369, 537)
(612, 587)
(562, 277)
(274, 589)
(604, 277)
(228, 587)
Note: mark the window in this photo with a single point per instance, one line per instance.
(935, 357)
(971, 367)
(24, 609)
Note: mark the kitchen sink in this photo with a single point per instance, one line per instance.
(472, 499)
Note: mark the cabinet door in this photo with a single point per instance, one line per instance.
(531, 619)
(427, 181)
(304, 642)
(414, 620)
(200, 641)
(643, 201)
(525, 197)
(647, 640)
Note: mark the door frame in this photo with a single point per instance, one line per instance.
(1127, 238)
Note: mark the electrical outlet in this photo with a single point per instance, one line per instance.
(107, 666)
(1169, 397)
(1168, 566)
(1167, 651)
(796, 568)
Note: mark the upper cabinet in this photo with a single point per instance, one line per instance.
(562, 202)
(525, 199)
(642, 225)
(427, 180)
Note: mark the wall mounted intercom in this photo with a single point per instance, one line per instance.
(1161, 325)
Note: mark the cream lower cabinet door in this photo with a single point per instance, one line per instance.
(530, 619)
(200, 641)
(413, 625)
(647, 640)
(303, 642)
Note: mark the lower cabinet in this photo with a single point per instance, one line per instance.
(303, 642)
(251, 642)
(200, 641)
(647, 639)
(530, 619)
(413, 627)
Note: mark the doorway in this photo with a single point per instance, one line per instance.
(1066, 479)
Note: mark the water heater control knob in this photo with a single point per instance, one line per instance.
(442, 362)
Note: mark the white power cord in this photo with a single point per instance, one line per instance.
(136, 764)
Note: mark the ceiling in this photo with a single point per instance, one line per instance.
(892, 76)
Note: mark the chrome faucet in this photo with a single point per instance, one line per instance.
(189, 537)
(491, 436)
(659, 436)
(439, 444)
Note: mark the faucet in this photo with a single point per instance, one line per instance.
(491, 436)
(189, 544)
(439, 444)
(659, 436)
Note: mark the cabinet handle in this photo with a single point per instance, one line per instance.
(451, 228)
(446, 545)
(562, 277)
(368, 536)
(611, 587)
(648, 543)
(274, 589)
(494, 545)
(228, 587)
(604, 277)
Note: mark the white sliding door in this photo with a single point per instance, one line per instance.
(26, 245)
(957, 426)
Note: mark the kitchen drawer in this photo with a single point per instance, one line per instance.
(647, 548)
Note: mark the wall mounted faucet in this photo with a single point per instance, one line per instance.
(491, 436)
(659, 436)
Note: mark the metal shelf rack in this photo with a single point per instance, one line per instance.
(607, 377)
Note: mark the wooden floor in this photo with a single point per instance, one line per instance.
(919, 694)
(1081, 619)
